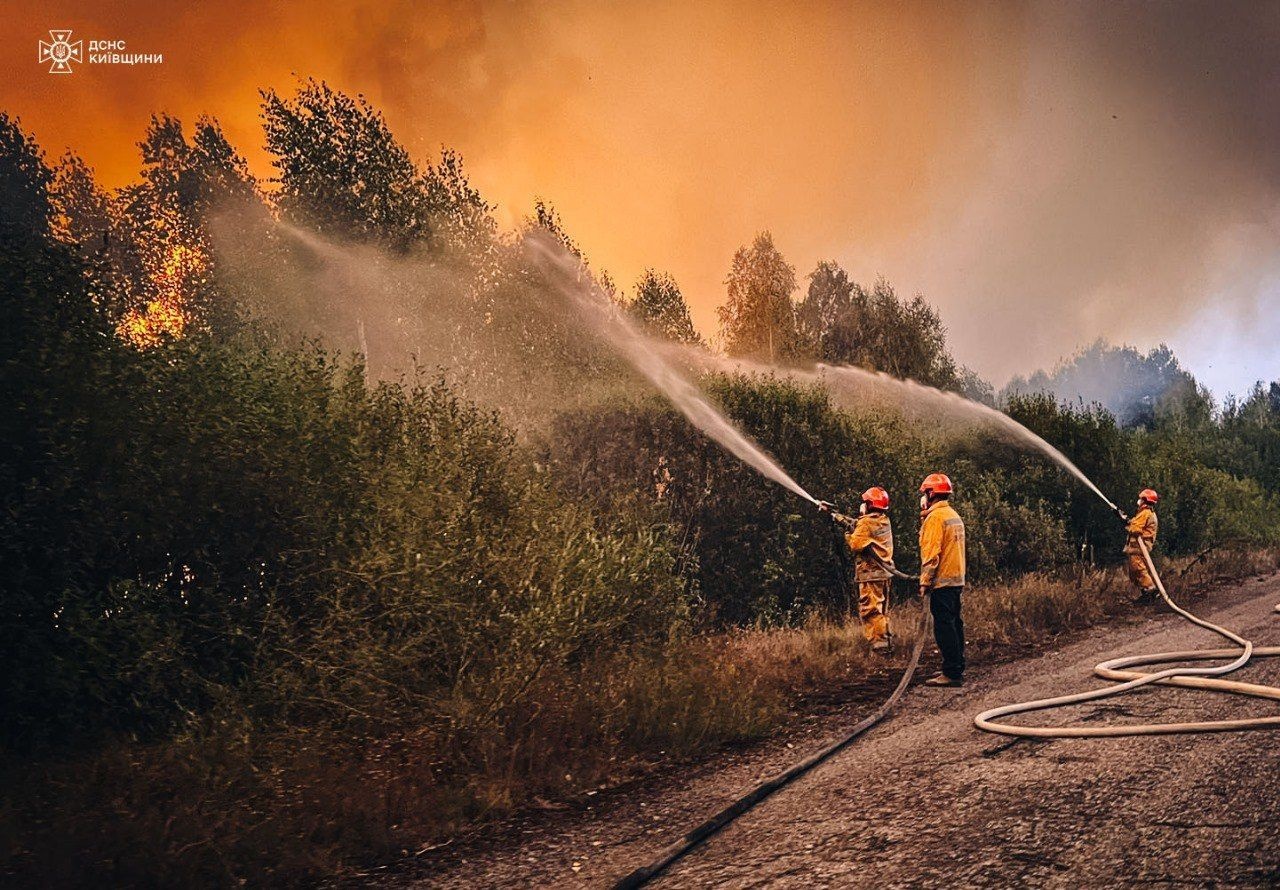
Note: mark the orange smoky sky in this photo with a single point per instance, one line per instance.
(1045, 174)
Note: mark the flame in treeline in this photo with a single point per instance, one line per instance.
(171, 277)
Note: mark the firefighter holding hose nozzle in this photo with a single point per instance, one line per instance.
(1143, 525)
(870, 538)
(942, 565)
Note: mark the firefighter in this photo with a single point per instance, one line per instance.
(942, 575)
(1142, 526)
(871, 540)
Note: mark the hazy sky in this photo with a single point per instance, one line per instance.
(1044, 174)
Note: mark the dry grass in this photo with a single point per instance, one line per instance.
(1034, 607)
(1037, 606)
(233, 804)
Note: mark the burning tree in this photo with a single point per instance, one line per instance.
(175, 268)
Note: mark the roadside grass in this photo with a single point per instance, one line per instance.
(231, 803)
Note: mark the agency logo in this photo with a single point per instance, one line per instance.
(61, 52)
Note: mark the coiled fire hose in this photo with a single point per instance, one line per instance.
(754, 795)
(1114, 669)
(1118, 669)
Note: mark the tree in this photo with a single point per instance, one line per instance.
(843, 323)
(81, 208)
(459, 212)
(161, 248)
(546, 217)
(1138, 388)
(919, 350)
(24, 184)
(86, 219)
(758, 319)
(342, 172)
(660, 307)
(57, 377)
(973, 387)
(1252, 436)
(824, 316)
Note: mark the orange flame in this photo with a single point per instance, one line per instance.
(167, 314)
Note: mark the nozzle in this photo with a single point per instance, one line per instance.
(1123, 516)
(836, 516)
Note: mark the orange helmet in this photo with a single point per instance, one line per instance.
(935, 483)
(1149, 495)
(876, 497)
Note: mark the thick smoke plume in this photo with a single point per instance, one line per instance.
(1132, 192)
(1045, 173)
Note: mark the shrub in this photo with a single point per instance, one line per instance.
(753, 551)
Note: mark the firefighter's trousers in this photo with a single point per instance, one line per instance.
(873, 607)
(1138, 573)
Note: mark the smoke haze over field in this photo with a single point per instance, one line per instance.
(1044, 173)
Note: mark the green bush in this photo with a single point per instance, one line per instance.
(753, 551)
(243, 511)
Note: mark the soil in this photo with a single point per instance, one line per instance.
(925, 799)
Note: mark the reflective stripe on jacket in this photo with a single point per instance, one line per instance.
(941, 547)
(872, 543)
(1144, 525)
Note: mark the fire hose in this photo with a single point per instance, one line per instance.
(1118, 669)
(759, 792)
(1114, 669)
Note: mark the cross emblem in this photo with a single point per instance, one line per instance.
(61, 52)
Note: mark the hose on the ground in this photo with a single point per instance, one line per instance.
(1113, 669)
(1118, 669)
(746, 801)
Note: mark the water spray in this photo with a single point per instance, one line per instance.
(654, 361)
(658, 361)
(984, 412)
(638, 350)
(853, 387)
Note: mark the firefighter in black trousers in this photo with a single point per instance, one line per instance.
(942, 575)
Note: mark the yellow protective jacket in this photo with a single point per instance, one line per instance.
(1143, 525)
(941, 547)
(871, 541)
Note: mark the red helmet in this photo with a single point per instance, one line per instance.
(876, 497)
(1149, 495)
(935, 483)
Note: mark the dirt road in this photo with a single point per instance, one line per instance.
(927, 800)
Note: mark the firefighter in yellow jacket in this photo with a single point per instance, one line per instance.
(1143, 526)
(871, 540)
(942, 566)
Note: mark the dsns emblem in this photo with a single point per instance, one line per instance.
(60, 52)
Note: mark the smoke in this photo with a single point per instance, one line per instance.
(1132, 386)
(1134, 192)
(417, 307)
(666, 133)
(1044, 173)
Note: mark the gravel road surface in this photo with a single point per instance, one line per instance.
(927, 800)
